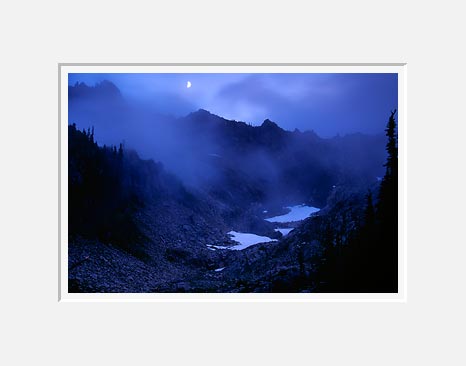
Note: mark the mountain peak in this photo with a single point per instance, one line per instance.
(201, 113)
(104, 89)
(269, 124)
(106, 84)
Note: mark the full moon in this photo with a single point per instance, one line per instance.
(188, 84)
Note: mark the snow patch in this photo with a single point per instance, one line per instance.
(245, 240)
(297, 213)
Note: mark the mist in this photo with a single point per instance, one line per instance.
(235, 160)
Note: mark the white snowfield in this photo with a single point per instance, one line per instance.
(297, 213)
(245, 240)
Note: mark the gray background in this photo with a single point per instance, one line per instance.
(36, 329)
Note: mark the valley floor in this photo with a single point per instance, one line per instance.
(248, 264)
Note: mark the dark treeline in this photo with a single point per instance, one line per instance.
(368, 262)
(107, 185)
(101, 202)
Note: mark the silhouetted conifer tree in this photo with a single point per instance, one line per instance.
(100, 200)
(369, 260)
(387, 213)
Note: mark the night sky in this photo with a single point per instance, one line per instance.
(329, 104)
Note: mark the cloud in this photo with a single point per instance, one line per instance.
(326, 103)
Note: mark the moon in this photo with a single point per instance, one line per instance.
(188, 84)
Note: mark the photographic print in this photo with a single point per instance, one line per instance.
(282, 181)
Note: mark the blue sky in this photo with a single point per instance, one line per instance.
(329, 104)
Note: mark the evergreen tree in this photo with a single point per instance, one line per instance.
(387, 213)
(368, 262)
(388, 197)
(392, 149)
(101, 202)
